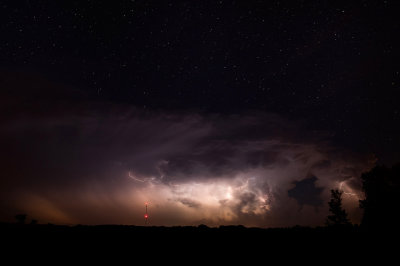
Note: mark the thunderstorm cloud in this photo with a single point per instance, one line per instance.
(98, 163)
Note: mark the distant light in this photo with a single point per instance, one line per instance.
(146, 216)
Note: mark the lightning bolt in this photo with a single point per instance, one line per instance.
(135, 178)
(150, 180)
(344, 192)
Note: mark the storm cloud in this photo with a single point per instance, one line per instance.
(98, 163)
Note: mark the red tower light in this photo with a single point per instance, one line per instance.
(146, 216)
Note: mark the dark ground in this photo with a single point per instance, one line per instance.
(229, 243)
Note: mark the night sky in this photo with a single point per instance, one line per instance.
(214, 112)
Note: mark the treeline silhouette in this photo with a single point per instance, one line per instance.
(380, 184)
(382, 202)
(339, 215)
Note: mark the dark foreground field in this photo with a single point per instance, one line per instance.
(232, 242)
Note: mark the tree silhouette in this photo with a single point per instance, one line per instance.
(381, 187)
(20, 218)
(339, 215)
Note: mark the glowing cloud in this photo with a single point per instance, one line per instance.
(193, 169)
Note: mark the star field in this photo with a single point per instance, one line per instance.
(330, 68)
(329, 62)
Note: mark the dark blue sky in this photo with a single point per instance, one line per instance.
(329, 69)
(333, 64)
